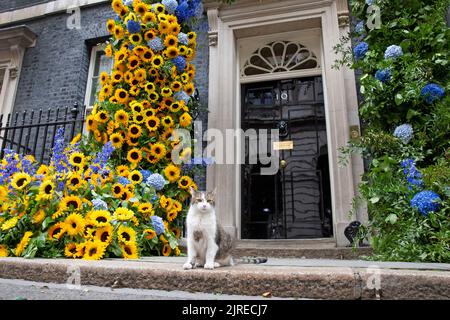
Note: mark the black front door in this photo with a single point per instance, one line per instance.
(295, 202)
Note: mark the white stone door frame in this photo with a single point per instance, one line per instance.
(224, 102)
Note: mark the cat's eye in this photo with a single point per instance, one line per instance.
(210, 200)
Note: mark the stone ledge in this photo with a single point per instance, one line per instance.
(282, 281)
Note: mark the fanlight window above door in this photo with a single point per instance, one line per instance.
(279, 56)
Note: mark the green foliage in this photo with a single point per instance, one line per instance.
(397, 231)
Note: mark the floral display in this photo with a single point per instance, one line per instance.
(115, 192)
(403, 81)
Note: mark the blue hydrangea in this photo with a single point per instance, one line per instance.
(359, 28)
(117, 18)
(432, 92)
(156, 44)
(393, 52)
(181, 95)
(171, 5)
(145, 174)
(370, 2)
(133, 26)
(197, 8)
(99, 204)
(404, 132)
(383, 75)
(180, 63)
(128, 2)
(426, 201)
(413, 175)
(360, 50)
(183, 38)
(123, 181)
(158, 225)
(156, 181)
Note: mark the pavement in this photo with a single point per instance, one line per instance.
(279, 277)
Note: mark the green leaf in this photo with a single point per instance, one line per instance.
(398, 99)
(46, 222)
(412, 113)
(392, 218)
(374, 200)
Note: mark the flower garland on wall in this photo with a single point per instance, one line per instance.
(404, 85)
(117, 192)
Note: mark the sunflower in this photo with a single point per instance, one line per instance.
(136, 107)
(184, 77)
(106, 92)
(152, 159)
(56, 231)
(108, 50)
(135, 177)
(172, 172)
(166, 92)
(75, 181)
(134, 131)
(192, 36)
(91, 123)
(132, 142)
(176, 232)
(122, 170)
(38, 217)
(120, 56)
(3, 251)
(43, 170)
(20, 180)
(150, 35)
(166, 250)
(126, 235)
(46, 190)
(163, 27)
(117, 190)
(185, 155)
(94, 250)
(138, 118)
(116, 140)
(77, 159)
(74, 224)
(133, 62)
(149, 113)
(159, 8)
(149, 87)
(135, 39)
(153, 96)
(171, 41)
(146, 56)
(104, 234)
(141, 8)
(130, 251)
(157, 61)
(158, 150)
(100, 217)
(121, 95)
(117, 76)
(167, 134)
(171, 215)
(152, 123)
(140, 75)
(185, 120)
(23, 243)
(70, 202)
(117, 6)
(184, 182)
(149, 233)
(167, 121)
(104, 78)
(145, 208)
(118, 32)
(123, 214)
(127, 195)
(149, 17)
(10, 223)
(128, 76)
(70, 250)
(176, 86)
(134, 156)
(121, 116)
(189, 89)
(174, 28)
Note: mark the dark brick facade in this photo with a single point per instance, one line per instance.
(7, 5)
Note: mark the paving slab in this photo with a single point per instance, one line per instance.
(299, 278)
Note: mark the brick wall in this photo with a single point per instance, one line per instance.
(7, 5)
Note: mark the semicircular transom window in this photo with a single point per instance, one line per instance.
(279, 56)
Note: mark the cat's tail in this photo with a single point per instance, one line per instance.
(250, 260)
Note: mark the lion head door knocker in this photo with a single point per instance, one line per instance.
(282, 126)
(351, 231)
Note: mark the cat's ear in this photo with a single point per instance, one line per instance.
(192, 191)
(214, 192)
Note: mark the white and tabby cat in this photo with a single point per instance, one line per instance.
(208, 245)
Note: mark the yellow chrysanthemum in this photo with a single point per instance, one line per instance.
(94, 250)
(20, 180)
(130, 251)
(23, 243)
(3, 251)
(126, 235)
(123, 214)
(172, 173)
(10, 223)
(77, 159)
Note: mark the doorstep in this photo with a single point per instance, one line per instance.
(297, 278)
(295, 248)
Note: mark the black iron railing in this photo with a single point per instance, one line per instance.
(33, 132)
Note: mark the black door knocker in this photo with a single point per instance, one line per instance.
(282, 126)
